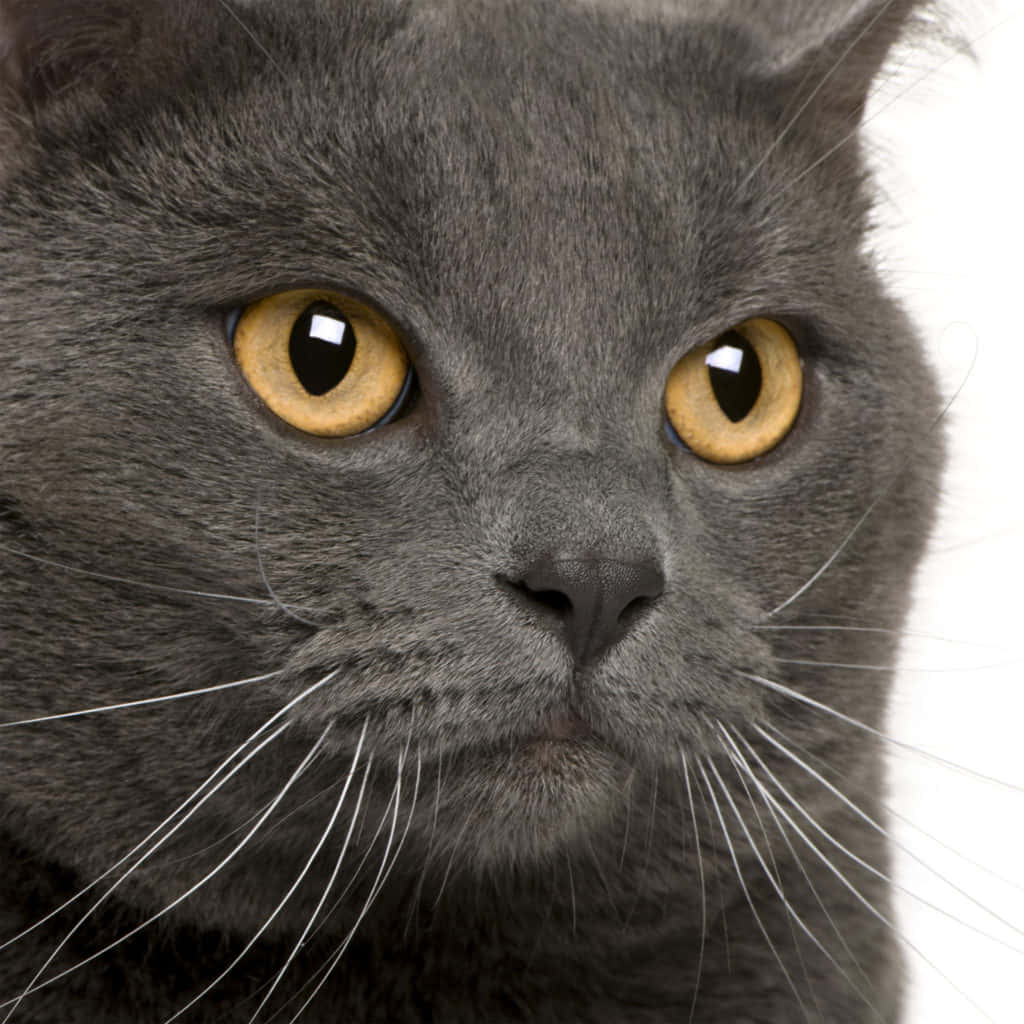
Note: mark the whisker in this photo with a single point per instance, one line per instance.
(252, 35)
(382, 874)
(626, 826)
(595, 861)
(878, 734)
(884, 493)
(325, 967)
(792, 915)
(718, 874)
(395, 795)
(956, 51)
(703, 888)
(326, 893)
(421, 881)
(798, 860)
(278, 603)
(946, 669)
(775, 878)
(1011, 883)
(746, 891)
(142, 584)
(143, 702)
(870, 907)
(811, 96)
(772, 627)
(648, 842)
(35, 985)
(871, 869)
(451, 862)
(294, 886)
(195, 795)
(357, 874)
(818, 777)
(181, 807)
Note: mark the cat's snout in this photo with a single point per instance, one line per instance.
(592, 601)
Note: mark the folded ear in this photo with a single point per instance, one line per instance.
(830, 51)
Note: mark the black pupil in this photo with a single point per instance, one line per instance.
(735, 373)
(321, 348)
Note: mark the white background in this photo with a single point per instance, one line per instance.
(948, 140)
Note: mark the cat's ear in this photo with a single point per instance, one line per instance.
(829, 51)
(49, 48)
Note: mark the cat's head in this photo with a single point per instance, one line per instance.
(523, 582)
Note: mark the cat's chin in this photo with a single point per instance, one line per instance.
(537, 797)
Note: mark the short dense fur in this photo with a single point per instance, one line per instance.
(554, 201)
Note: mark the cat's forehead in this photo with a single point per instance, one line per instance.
(526, 145)
(555, 185)
(565, 169)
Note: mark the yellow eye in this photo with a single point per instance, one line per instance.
(736, 397)
(325, 363)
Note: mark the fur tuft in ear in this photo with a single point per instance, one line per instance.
(831, 50)
(50, 46)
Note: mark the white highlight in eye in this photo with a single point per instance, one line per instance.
(326, 328)
(727, 357)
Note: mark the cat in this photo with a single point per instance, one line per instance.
(492, 666)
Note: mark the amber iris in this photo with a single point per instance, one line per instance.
(324, 362)
(736, 397)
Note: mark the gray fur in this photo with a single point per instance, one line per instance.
(554, 202)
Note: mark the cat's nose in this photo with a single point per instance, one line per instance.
(593, 600)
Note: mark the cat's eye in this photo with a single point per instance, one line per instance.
(324, 362)
(736, 397)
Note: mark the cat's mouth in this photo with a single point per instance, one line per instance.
(559, 735)
(563, 726)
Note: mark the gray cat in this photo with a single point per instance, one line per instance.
(428, 418)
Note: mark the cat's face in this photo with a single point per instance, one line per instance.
(552, 210)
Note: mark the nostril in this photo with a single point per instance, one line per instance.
(633, 611)
(554, 600)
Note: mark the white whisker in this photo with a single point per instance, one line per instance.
(36, 985)
(142, 584)
(291, 890)
(870, 907)
(746, 891)
(195, 795)
(818, 777)
(431, 839)
(798, 860)
(884, 493)
(143, 702)
(812, 95)
(828, 627)
(718, 875)
(382, 874)
(775, 878)
(791, 914)
(703, 888)
(163, 824)
(252, 35)
(878, 734)
(326, 893)
(946, 669)
(278, 603)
